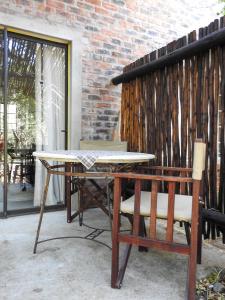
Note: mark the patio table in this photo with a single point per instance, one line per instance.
(69, 159)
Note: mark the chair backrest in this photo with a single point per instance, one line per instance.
(199, 159)
(103, 145)
(196, 171)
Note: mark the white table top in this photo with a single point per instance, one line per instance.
(95, 156)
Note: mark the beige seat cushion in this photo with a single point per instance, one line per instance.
(182, 212)
(103, 145)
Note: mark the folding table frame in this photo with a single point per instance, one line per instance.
(70, 171)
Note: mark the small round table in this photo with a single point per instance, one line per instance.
(68, 159)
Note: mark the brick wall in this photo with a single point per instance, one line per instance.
(114, 33)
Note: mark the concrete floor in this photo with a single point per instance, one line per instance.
(17, 198)
(80, 269)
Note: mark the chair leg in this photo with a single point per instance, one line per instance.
(123, 266)
(15, 173)
(143, 233)
(115, 264)
(115, 255)
(192, 264)
(115, 235)
(118, 273)
(68, 192)
(192, 275)
(108, 203)
(187, 232)
(199, 243)
(129, 217)
(81, 216)
(80, 207)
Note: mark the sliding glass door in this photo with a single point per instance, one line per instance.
(33, 119)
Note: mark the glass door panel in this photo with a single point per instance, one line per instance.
(35, 118)
(21, 123)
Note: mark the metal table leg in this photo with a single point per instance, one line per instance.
(68, 167)
(44, 198)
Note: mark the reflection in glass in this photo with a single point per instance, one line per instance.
(21, 123)
(35, 119)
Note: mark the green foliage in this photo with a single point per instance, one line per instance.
(204, 286)
(25, 115)
(222, 12)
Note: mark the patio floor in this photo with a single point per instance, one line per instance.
(80, 269)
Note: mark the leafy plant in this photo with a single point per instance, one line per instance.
(204, 286)
(25, 118)
(222, 12)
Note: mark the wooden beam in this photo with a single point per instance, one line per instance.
(154, 244)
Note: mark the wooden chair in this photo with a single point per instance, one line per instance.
(169, 206)
(95, 189)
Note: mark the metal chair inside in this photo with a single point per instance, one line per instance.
(96, 191)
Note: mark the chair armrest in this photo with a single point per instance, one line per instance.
(159, 178)
(175, 169)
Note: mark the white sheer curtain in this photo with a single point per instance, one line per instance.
(50, 116)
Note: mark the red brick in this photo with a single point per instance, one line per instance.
(132, 5)
(113, 36)
(94, 2)
(108, 98)
(55, 4)
(101, 11)
(109, 6)
(102, 105)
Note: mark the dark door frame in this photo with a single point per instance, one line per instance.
(6, 34)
